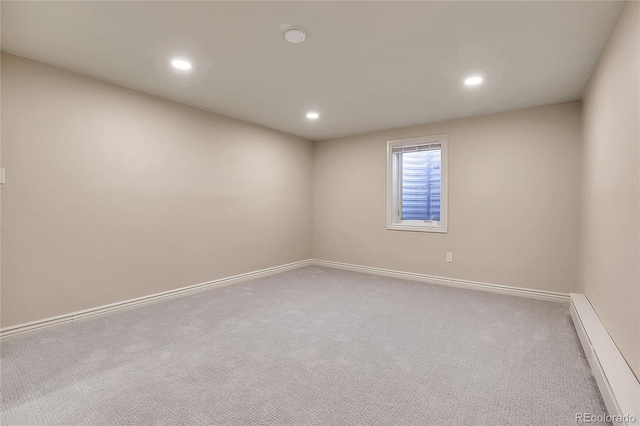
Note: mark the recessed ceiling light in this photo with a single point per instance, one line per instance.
(473, 81)
(312, 115)
(181, 64)
(295, 35)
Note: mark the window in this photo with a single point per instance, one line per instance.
(417, 184)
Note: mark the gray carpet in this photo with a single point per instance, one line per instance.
(311, 346)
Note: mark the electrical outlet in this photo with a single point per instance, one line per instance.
(449, 257)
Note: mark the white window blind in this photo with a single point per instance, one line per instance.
(421, 182)
(415, 148)
(417, 184)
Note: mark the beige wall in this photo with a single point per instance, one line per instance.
(514, 190)
(113, 194)
(610, 272)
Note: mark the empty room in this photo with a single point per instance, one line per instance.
(320, 213)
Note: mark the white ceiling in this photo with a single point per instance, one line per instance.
(365, 66)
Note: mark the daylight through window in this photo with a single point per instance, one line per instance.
(417, 184)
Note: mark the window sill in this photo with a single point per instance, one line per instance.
(416, 228)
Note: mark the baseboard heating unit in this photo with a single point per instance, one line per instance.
(618, 385)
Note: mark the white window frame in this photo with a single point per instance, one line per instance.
(394, 195)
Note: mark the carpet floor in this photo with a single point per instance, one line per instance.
(313, 346)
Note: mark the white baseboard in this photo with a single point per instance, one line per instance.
(74, 317)
(451, 282)
(619, 387)
(113, 308)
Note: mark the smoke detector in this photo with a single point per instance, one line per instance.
(295, 35)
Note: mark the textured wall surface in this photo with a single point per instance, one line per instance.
(514, 190)
(113, 194)
(610, 273)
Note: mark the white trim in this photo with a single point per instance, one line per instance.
(113, 308)
(416, 225)
(451, 282)
(67, 319)
(619, 387)
(393, 192)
